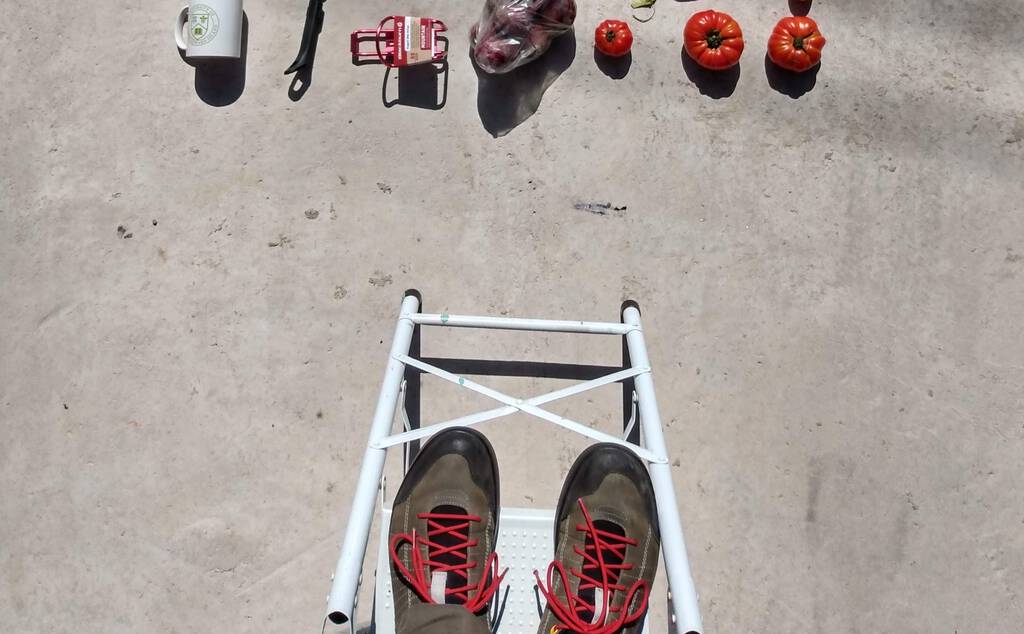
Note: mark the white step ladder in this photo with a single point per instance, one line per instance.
(525, 538)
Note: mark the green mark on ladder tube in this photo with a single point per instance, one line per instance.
(444, 318)
(462, 381)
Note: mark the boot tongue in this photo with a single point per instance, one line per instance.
(442, 580)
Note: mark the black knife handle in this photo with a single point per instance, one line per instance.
(314, 23)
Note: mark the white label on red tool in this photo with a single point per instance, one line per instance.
(415, 39)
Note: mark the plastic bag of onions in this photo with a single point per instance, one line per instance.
(511, 33)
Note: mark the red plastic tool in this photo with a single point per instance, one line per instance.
(408, 41)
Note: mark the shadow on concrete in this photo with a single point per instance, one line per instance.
(614, 67)
(505, 101)
(418, 86)
(220, 82)
(793, 85)
(302, 79)
(800, 7)
(716, 84)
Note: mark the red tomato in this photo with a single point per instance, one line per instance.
(613, 38)
(796, 44)
(713, 39)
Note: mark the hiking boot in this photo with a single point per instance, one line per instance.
(444, 523)
(606, 546)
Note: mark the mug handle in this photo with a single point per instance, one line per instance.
(179, 24)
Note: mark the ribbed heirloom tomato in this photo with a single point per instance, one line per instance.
(713, 39)
(796, 44)
(613, 38)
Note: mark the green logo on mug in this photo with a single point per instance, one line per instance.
(203, 24)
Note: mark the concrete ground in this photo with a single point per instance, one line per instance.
(832, 281)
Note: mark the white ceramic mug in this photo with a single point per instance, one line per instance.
(210, 28)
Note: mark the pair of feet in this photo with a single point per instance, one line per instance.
(444, 524)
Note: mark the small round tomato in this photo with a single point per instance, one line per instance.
(613, 38)
(713, 39)
(796, 44)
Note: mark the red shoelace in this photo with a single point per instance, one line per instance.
(603, 556)
(447, 544)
